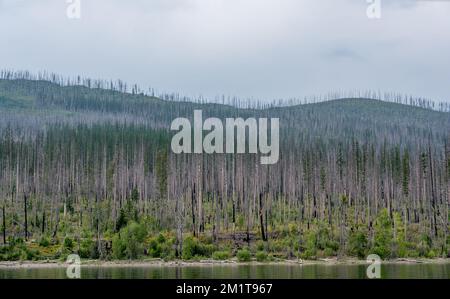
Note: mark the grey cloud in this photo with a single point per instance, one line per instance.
(251, 48)
(344, 53)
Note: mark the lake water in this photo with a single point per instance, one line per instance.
(402, 271)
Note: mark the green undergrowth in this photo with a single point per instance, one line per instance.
(135, 240)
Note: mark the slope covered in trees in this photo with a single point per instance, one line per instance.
(89, 170)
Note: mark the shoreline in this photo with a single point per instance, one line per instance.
(160, 263)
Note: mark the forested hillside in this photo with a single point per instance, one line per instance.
(89, 169)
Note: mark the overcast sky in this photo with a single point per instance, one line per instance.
(249, 48)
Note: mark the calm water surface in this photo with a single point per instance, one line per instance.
(402, 271)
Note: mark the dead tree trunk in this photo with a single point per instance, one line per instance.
(193, 211)
(26, 217)
(4, 225)
(43, 222)
(261, 218)
(433, 195)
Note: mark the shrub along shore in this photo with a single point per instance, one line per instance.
(137, 241)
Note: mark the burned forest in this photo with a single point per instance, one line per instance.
(86, 167)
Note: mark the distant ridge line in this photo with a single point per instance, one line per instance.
(249, 103)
